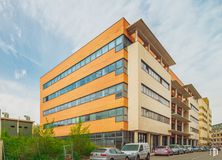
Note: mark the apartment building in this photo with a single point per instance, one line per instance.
(217, 135)
(205, 122)
(193, 114)
(118, 84)
(180, 111)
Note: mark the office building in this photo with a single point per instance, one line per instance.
(121, 86)
(118, 84)
(217, 135)
(205, 122)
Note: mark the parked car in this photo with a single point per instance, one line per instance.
(185, 150)
(196, 149)
(108, 154)
(176, 149)
(189, 148)
(137, 150)
(163, 150)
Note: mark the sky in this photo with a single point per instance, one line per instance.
(36, 35)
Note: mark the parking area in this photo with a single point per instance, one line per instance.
(189, 156)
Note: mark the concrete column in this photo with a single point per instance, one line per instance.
(187, 141)
(148, 138)
(175, 124)
(182, 127)
(175, 139)
(151, 142)
(136, 38)
(182, 140)
(135, 137)
(168, 140)
(160, 140)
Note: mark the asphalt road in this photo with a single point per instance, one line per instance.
(190, 156)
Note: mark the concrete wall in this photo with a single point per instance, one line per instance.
(136, 99)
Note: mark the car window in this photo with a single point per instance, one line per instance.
(130, 147)
(100, 150)
(118, 151)
(112, 151)
(141, 148)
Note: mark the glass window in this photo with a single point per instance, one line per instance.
(119, 118)
(98, 74)
(119, 40)
(92, 117)
(111, 67)
(77, 66)
(112, 112)
(82, 63)
(105, 49)
(111, 45)
(87, 60)
(119, 64)
(119, 71)
(93, 56)
(98, 53)
(119, 111)
(119, 47)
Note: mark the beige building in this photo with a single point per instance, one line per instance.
(205, 122)
(217, 135)
(149, 95)
(193, 114)
(180, 112)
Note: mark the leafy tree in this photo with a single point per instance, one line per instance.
(81, 143)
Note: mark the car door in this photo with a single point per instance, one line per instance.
(113, 153)
(142, 152)
(120, 155)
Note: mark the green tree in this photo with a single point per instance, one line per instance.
(80, 141)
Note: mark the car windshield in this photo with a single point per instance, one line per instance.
(160, 147)
(100, 150)
(132, 147)
(172, 146)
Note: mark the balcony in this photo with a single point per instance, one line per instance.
(180, 118)
(179, 102)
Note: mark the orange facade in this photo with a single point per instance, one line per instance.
(106, 81)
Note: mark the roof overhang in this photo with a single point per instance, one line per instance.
(179, 132)
(180, 88)
(193, 90)
(148, 37)
(179, 117)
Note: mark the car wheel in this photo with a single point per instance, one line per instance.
(147, 157)
(127, 158)
(138, 157)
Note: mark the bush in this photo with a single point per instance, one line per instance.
(44, 146)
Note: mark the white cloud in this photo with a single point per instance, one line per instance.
(189, 30)
(18, 100)
(20, 74)
(8, 48)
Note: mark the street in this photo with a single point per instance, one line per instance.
(190, 156)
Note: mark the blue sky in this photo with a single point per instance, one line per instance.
(37, 35)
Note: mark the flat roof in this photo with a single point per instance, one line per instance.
(147, 36)
(13, 119)
(193, 90)
(180, 88)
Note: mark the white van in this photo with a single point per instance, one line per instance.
(137, 150)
